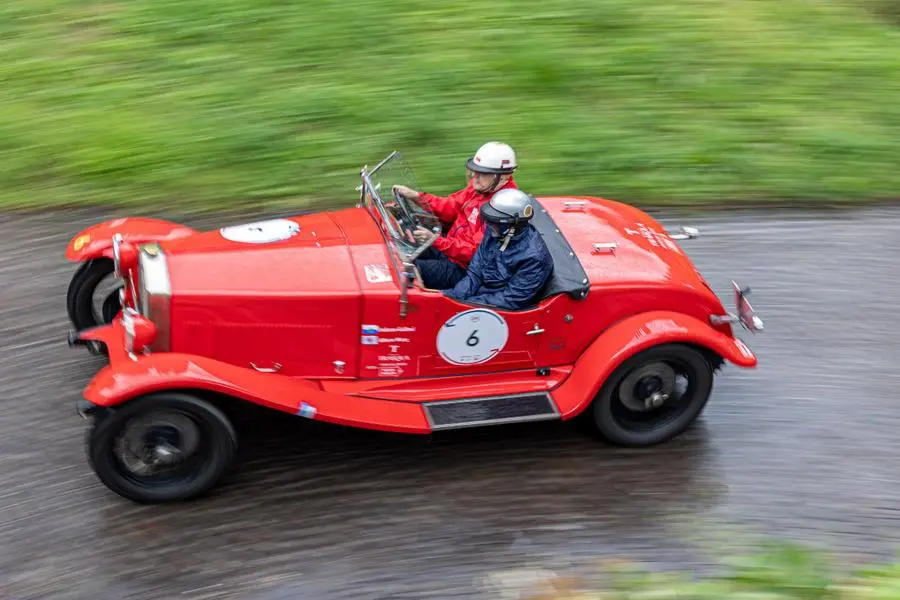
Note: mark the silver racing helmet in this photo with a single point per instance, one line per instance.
(507, 212)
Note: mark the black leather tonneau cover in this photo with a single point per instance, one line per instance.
(568, 274)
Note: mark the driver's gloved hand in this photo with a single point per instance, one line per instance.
(422, 235)
(406, 192)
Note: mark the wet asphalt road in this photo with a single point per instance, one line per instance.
(806, 447)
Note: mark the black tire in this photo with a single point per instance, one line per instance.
(216, 448)
(80, 295)
(622, 425)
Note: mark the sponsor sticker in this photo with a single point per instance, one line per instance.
(377, 273)
(80, 241)
(306, 410)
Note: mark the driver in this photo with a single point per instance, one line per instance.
(512, 264)
(444, 264)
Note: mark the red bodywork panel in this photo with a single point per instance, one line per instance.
(321, 305)
(96, 240)
(631, 336)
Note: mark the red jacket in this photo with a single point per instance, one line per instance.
(462, 209)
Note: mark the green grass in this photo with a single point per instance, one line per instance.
(777, 571)
(214, 103)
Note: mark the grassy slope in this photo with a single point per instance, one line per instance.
(776, 571)
(649, 101)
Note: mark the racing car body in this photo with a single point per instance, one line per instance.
(324, 316)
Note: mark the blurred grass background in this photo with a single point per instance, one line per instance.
(214, 103)
(777, 571)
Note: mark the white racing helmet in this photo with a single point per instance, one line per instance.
(494, 158)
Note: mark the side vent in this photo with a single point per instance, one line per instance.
(491, 410)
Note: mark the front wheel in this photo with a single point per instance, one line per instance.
(86, 308)
(162, 448)
(653, 396)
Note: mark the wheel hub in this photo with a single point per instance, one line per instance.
(164, 454)
(647, 387)
(158, 441)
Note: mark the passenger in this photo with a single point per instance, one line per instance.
(513, 263)
(444, 264)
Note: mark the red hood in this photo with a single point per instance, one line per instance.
(307, 254)
(644, 253)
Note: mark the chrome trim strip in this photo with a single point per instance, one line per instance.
(382, 163)
(117, 255)
(155, 298)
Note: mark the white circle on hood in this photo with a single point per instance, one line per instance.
(261, 232)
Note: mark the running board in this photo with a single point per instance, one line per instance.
(491, 410)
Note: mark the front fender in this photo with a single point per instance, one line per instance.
(632, 335)
(124, 379)
(96, 240)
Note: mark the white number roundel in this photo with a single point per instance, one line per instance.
(261, 232)
(472, 337)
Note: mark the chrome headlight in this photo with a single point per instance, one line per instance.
(155, 293)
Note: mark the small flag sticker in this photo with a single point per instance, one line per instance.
(306, 410)
(370, 329)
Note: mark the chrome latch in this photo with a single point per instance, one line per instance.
(687, 233)
(275, 368)
(339, 366)
(608, 248)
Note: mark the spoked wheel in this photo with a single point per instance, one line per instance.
(654, 396)
(162, 448)
(93, 295)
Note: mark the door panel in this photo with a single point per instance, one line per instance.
(466, 339)
(440, 337)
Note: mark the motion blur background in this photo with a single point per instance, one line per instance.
(185, 109)
(207, 102)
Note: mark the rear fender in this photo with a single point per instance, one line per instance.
(126, 378)
(96, 240)
(633, 335)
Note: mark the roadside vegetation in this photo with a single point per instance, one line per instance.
(215, 103)
(778, 571)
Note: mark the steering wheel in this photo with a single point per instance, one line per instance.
(407, 221)
(412, 257)
(404, 216)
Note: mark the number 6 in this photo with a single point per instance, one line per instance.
(472, 340)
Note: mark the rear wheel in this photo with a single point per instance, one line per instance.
(93, 295)
(162, 448)
(653, 396)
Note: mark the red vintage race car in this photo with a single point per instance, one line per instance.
(325, 316)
